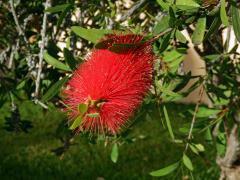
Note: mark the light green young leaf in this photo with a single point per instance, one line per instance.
(200, 147)
(164, 5)
(199, 31)
(82, 108)
(77, 122)
(194, 149)
(187, 162)
(187, 4)
(169, 126)
(206, 112)
(114, 153)
(54, 62)
(92, 35)
(93, 115)
(223, 13)
(180, 37)
(166, 170)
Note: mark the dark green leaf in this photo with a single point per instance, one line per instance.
(54, 89)
(55, 63)
(68, 56)
(62, 16)
(165, 42)
(166, 170)
(223, 13)
(169, 126)
(236, 20)
(114, 153)
(92, 35)
(213, 28)
(187, 162)
(58, 8)
(77, 122)
(199, 31)
(82, 108)
(121, 48)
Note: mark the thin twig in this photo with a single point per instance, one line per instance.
(42, 47)
(194, 117)
(41, 103)
(132, 10)
(19, 29)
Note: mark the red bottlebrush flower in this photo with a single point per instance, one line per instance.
(111, 84)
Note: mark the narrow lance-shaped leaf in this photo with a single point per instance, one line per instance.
(58, 8)
(77, 122)
(114, 153)
(199, 31)
(214, 27)
(54, 89)
(166, 170)
(93, 115)
(54, 62)
(169, 126)
(69, 58)
(92, 35)
(223, 13)
(235, 12)
(186, 4)
(187, 162)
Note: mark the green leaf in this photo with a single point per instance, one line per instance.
(164, 5)
(236, 20)
(68, 56)
(82, 108)
(58, 8)
(77, 122)
(200, 147)
(214, 27)
(93, 115)
(54, 89)
(180, 37)
(92, 35)
(206, 112)
(114, 153)
(187, 162)
(166, 170)
(62, 16)
(168, 92)
(162, 25)
(186, 4)
(165, 42)
(199, 31)
(168, 123)
(194, 149)
(223, 13)
(54, 62)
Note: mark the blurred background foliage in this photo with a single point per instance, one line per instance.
(42, 42)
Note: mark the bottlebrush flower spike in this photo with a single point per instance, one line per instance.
(112, 85)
